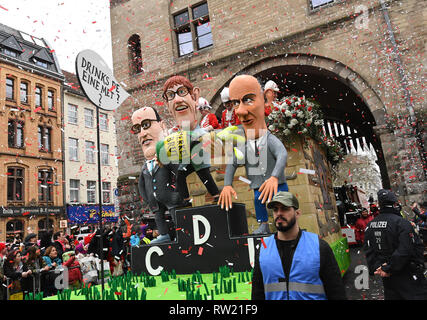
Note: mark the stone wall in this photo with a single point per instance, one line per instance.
(348, 38)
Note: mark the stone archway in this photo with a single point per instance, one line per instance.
(301, 72)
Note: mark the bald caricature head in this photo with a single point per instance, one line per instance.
(248, 101)
(146, 123)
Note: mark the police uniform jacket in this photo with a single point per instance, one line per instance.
(391, 239)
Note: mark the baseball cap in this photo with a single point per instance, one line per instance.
(225, 95)
(285, 198)
(203, 104)
(386, 197)
(271, 85)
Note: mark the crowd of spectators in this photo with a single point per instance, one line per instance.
(34, 264)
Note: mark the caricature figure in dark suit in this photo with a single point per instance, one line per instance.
(156, 184)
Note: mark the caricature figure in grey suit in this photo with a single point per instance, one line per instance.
(156, 184)
(265, 155)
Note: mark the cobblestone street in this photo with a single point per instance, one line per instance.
(375, 290)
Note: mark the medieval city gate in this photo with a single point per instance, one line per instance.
(352, 110)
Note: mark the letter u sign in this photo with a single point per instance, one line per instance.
(196, 233)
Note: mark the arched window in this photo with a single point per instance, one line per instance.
(15, 184)
(42, 224)
(42, 228)
(14, 228)
(135, 58)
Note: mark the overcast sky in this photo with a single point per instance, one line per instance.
(69, 26)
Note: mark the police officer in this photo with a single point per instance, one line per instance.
(395, 252)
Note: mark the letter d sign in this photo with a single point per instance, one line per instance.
(196, 233)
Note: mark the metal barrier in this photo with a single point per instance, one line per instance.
(39, 274)
(34, 276)
(9, 282)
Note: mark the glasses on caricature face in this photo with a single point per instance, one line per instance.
(170, 95)
(145, 124)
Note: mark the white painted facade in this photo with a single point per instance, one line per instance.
(80, 142)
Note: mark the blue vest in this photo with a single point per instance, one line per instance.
(304, 282)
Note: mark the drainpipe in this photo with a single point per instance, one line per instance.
(404, 85)
(63, 177)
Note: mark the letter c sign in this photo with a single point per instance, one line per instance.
(154, 272)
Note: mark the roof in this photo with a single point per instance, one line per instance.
(28, 51)
(71, 83)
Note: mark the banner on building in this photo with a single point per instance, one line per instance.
(30, 211)
(89, 214)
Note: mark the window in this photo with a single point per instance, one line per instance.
(10, 53)
(15, 184)
(106, 192)
(104, 155)
(116, 154)
(24, 92)
(10, 89)
(88, 118)
(38, 94)
(15, 134)
(90, 156)
(183, 34)
(195, 28)
(135, 58)
(40, 63)
(103, 121)
(44, 138)
(45, 185)
(50, 100)
(203, 27)
(74, 190)
(45, 225)
(72, 114)
(319, 3)
(91, 192)
(14, 228)
(73, 145)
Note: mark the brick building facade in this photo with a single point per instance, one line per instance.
(31, 157)
(362, 60)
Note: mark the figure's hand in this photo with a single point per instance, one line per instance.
(268, 189)
(228, 135)
(382, 273)
(226, 197)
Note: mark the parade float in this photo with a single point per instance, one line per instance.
(213, 253)
(208, 237)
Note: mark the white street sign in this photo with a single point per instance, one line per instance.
(98, 82)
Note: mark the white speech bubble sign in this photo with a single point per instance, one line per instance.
(98, 82)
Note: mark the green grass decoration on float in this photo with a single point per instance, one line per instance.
(131, 286)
